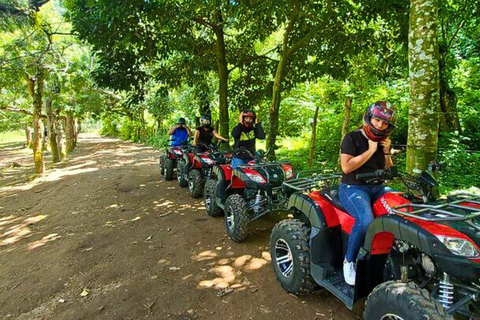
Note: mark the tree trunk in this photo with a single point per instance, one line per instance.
(79, 126)
(35, 88)
(311, 154)
(222, 78)
(61, 147)
(423, 119)
(44, 135)
(28, 133)
(70, 132)
(346, 123)
(52, 130)
(275, 105)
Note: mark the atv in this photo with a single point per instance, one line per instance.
(247, 193)
(197, 167)
(420, 258)
(168, 160)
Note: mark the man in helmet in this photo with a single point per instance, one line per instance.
(180, 133)
(204, 135)
(245, 134)
(364, 150)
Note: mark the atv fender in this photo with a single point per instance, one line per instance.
(224, 175)
(396, 227)
(309, 208)
(325, 238)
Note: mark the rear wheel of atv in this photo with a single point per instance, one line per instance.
(168, 167)
(182, 182)
(195, 183)
(211, 207)
(290, 254)
(237, 218)
(397, 300)
(161, 164)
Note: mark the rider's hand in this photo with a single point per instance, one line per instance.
(256, 119)
(240, 117)
(372, 145)
(386, 145)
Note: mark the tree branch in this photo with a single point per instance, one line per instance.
(18, 110)
(300, 43)
(206, 23)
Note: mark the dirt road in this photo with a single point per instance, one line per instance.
(102, 236)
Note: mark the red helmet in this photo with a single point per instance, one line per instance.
(382, 111)
(249, 113)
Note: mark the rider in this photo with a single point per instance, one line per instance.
(204, 135)
(364, 150)
(180, 133)
(245, 134)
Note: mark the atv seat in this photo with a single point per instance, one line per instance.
(332, 196)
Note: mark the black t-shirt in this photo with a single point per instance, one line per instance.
(206, 136)
(354, 144)
(245, 137)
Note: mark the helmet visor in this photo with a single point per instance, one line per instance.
(383, 113)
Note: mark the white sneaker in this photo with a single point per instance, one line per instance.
(349, 272)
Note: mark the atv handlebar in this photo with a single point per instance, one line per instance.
(385, 174)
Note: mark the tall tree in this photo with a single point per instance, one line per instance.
(424, 85)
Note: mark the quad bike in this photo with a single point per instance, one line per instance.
(168, 160)
(197, 167)
(247, 193)
(420, 258)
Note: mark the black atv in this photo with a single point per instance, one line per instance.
(197, 167)
(420, 258)
(247, 193)
(169, 160)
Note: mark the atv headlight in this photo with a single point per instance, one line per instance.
(255, 177)
(208, 161)
(288, 171)
(460, 247)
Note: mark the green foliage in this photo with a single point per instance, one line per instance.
(460, 166)
(110, 125)
(157, 141)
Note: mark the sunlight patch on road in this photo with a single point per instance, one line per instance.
(43, 241)
(206, 255)
(52, 176)
(229, 273)
(18, 231)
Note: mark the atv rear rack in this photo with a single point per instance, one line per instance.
(322, 180)
(452, 210)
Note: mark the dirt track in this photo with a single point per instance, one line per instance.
(102, 236)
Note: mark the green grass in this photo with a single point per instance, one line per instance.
(12, 136)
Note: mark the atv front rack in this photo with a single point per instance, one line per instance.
(321, 180)
(455, 209)
(265, 165)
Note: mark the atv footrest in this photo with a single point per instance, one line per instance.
(333, 280)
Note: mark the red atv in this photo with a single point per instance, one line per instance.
(169, 161)
(420, 258)
(196, 168)
(247, 193)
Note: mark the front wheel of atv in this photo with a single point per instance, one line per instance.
(290, 254)
(195, 183)
(237, 218)
(182, 182)
(398, 300)
(168, 167)
(211, 207)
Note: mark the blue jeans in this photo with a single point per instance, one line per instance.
(358, 200)
(237, 162)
